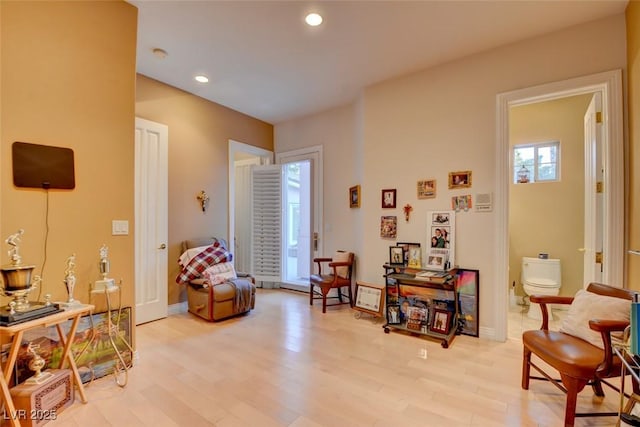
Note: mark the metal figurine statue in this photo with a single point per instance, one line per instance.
(70, 278)
(13, 241)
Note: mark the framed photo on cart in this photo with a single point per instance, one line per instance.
(405, 250)
(369, 298)
(415, 257)
(396, 255)
(393, 314)
(388, 199)
(441, 321)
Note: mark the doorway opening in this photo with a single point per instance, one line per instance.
(609, 87)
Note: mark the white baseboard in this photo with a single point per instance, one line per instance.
(181, 307)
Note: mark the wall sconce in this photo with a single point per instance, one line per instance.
(203, 198)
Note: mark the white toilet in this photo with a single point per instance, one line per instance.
(540, 277)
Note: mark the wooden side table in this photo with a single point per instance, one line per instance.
(17, 331)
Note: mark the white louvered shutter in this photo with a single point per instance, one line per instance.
(266, 223)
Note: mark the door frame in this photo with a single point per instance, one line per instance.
(609, 84)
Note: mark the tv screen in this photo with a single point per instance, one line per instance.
(42, 166)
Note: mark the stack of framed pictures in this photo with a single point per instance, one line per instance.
(440, 240)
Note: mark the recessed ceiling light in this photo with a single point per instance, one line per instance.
(202, 79)
(313, 19)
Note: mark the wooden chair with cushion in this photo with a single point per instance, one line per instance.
(581, 350)
(338, 277)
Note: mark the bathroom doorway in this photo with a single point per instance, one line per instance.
(609, 86)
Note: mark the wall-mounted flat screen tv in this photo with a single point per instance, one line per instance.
(42, 166)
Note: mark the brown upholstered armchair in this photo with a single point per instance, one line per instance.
(581, 355)
(338, 277)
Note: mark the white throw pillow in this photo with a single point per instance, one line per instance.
(220, 273)
(588, 306)
(341, 257)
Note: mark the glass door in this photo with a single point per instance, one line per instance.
(301, 215)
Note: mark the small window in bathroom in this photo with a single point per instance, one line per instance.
(536, 162)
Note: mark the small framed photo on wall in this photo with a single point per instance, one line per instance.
(460, 179)
(388, 199)
(354, 196)
(427, 189)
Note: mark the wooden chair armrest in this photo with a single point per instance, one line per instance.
(550, 299)
(319, 261)
(602, 325)
(543, 300)
(605, 327)
(339, 264)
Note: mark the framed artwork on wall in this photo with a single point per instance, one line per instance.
(388, 198)
(460, 179)
(388, 226)
(354, 196)
(427, 189)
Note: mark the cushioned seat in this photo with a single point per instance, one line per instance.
(217, 301)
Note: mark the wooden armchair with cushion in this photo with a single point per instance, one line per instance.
(338, 277)
(581, 350)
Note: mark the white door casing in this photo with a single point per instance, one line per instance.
(151, 223)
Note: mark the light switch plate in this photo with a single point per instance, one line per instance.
(119, 227)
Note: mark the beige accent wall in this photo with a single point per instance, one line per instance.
(68, 79)
(443, 119)
(633, 79)
(549, 216)
(199, 134)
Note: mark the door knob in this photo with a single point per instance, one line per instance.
(163, 246)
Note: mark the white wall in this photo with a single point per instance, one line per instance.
(335, 131)
(430, 123)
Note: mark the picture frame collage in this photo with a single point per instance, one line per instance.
(441, 240)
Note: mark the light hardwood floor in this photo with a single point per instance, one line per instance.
(287, 364)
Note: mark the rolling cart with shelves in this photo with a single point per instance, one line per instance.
(422, 306)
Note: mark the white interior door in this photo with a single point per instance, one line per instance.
(151, 225)
(593, 198)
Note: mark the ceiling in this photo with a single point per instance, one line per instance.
(264, 61)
